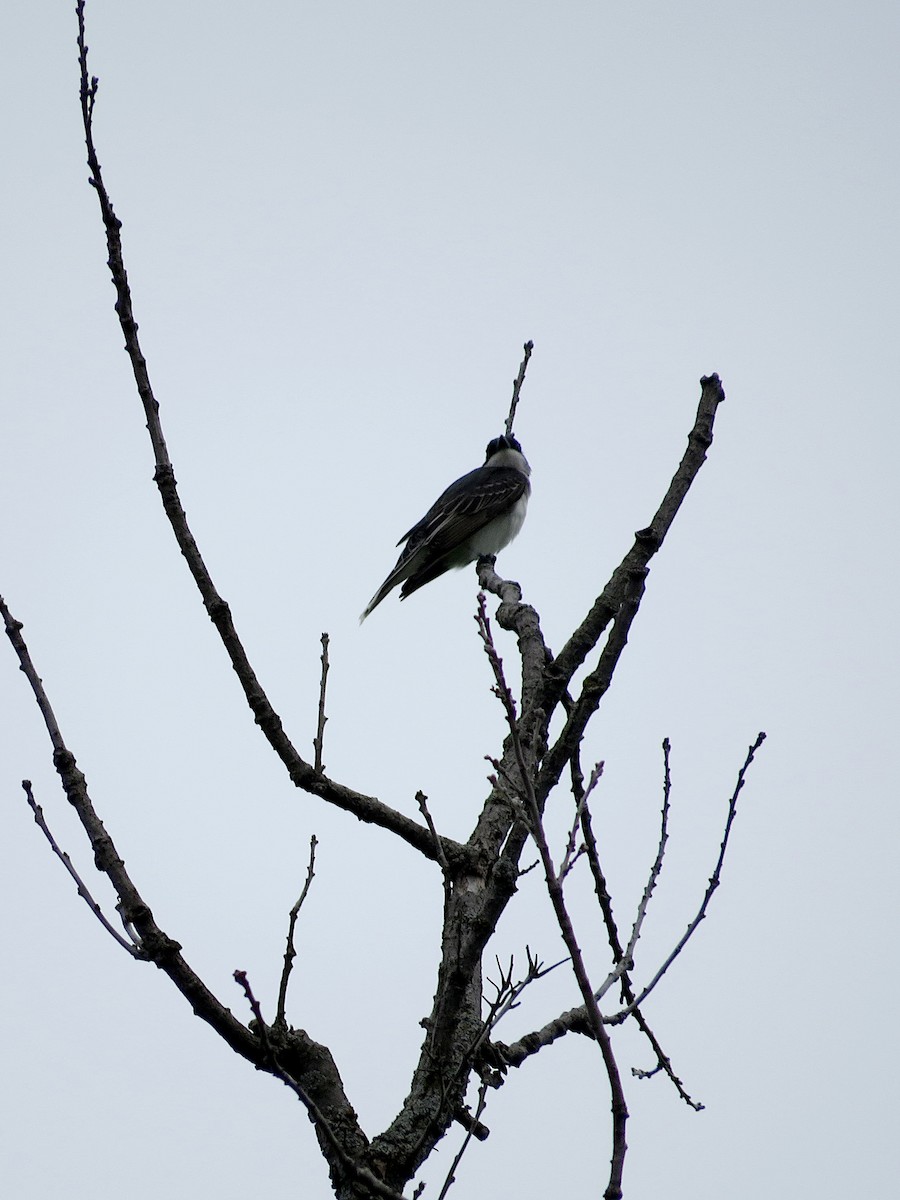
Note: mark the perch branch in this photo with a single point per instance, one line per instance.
(593, 1017)
(522, 620)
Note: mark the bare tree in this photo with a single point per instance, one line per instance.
(460, 1053)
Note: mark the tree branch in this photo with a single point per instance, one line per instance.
(133, 948)
(319, 739)
(347, 1163)
(593, 1017)
(289, 952)
(663, 1062)
(155, 945)
(484, 883)
(310, 1061)
(708, 894)
(575, 1020)
(303, 774)
(517, 388)
(647, 542)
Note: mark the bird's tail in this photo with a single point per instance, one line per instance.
(402, 570)
(388, 586)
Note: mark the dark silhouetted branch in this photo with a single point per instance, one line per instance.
(708, 894)
(316, 1115)
(155, 945)
(517, 388)
(575, 1020)
(593, 1016)
(319, 739)
(647, 543)
(83, 891)
(472, 1131)
(289, 951)
(303, 774)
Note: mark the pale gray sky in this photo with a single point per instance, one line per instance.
(341, 222)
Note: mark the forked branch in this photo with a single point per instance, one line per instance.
(302, 773)
(715, 880)
(593, 1017)
(133, 947)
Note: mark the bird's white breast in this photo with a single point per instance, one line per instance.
(498, 533)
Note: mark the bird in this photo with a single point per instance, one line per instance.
(476, 516)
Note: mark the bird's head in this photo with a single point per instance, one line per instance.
(505, 451)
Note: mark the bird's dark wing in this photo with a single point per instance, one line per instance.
(467, 505)
(429, 568)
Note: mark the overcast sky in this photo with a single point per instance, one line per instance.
(341, 222)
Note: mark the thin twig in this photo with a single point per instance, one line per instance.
(490, 1065)
(262, 1032)
(422, 801)
(707, 895)
(509, 991)
(517, 388)
(657, 862)
(470, 1133)
(289, 952)
(571, 855)
(624, 959)
(133, 949)
(621, 957)
(601, 889)
(319, 739)
(574, 1019)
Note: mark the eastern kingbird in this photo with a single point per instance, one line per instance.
(476, 516)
